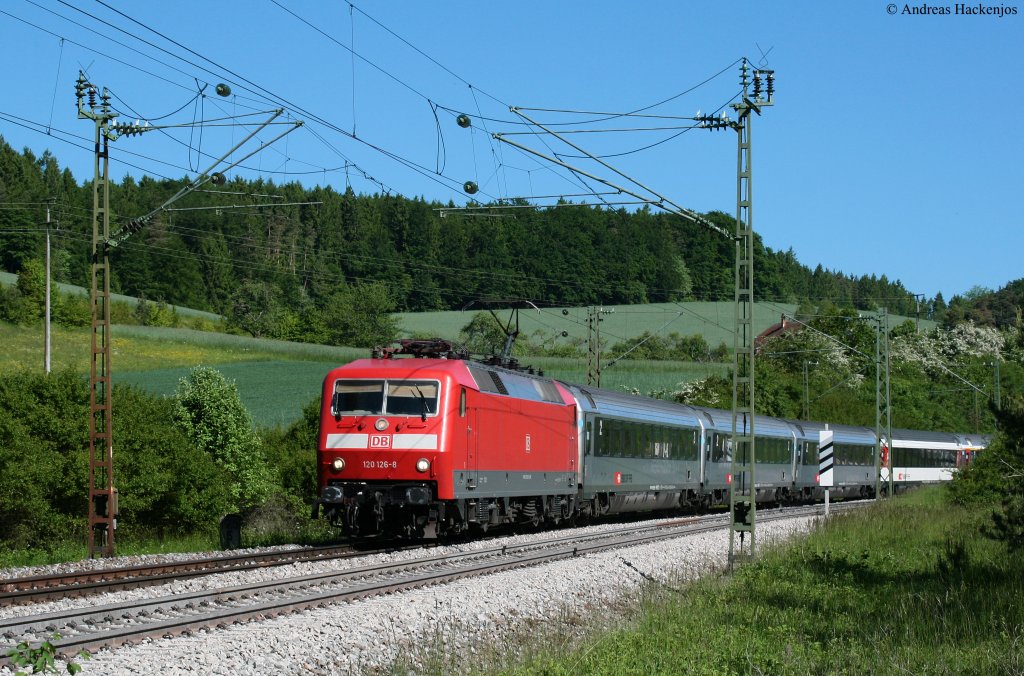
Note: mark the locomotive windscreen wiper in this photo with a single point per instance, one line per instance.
(423, 404)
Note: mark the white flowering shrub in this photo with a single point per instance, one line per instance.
(969, 340)
(791, 350)
(945, 346)
(703, 392)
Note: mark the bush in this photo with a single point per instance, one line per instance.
(122, 312)
(674, 347)
(43, 457)
(292, 454)
(210, 413)
(165, 483)
(72, 310)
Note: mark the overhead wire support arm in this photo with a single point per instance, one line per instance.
(136, 224)
(660, 203)
(680, 210)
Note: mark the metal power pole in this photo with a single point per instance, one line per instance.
(888, 398)
(757, 93)
(46, 318)
(102, 495)
(918, 297)
(807, 392)
(996, 392)
(882, 403)
(594, 320)
(743, 479)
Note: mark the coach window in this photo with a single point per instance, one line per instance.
(718, 448)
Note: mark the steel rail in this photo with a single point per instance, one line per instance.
(220, 607)
(32, 589)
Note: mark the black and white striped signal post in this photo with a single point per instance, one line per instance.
(825, 463)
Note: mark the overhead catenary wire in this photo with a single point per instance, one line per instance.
(87, 47)
(413, 165)
(178, 56)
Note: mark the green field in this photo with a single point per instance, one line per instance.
(714, 321)
(275, 378)
(273, 391)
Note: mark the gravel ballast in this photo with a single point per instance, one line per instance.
(459, 618)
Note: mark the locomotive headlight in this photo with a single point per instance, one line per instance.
(422, 465)
(380, 425)
(338, 465)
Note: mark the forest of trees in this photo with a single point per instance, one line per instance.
(292, 271)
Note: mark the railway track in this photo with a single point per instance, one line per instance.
(107, 626)
(37, 588)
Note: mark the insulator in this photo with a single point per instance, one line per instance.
(565, 312)
(565, 334)
(470, 187)
(757, 84)
(771, 84)
(463, 120)
(92, 96)
(223, 90)
(217, 178)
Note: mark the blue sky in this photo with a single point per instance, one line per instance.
(892, 148)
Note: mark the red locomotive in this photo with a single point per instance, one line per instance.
(407, 445)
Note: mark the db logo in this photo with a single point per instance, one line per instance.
(380, 441)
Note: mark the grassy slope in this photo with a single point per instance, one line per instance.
(275, 378)
(712, 320)
(905, 586)
(10, 279)
(275, 387)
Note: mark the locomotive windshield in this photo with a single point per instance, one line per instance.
(385, 397)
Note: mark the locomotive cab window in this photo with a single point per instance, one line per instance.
(411, 397)
(358, 397)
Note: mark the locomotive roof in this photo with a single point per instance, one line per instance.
(407, 368)
(475, 375)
